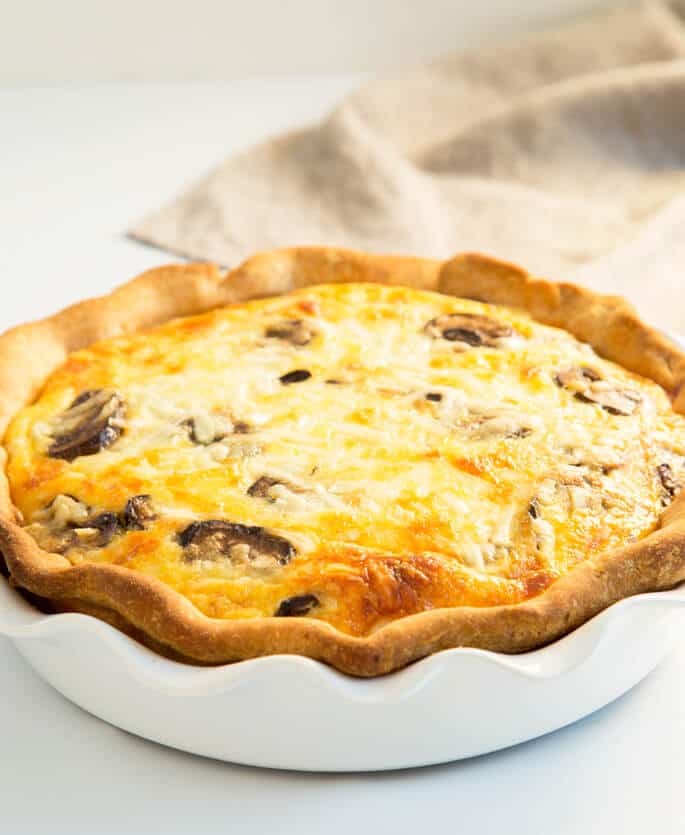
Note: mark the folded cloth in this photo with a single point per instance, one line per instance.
(563, 152)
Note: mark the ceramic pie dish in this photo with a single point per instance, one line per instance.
(358, 459)
(287, 711)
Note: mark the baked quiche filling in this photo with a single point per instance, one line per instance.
(353, 453)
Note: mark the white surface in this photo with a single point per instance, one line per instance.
(477, 701)
(51, 42)
(75, 168)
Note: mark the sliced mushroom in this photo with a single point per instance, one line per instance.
(597, 458)
(577, 377)
(299, 375)
(587, 384)
(534, 528)
(483, 423)
(288, 495)
(234, 449)
(206, 429)
(297, 332)
(433, 396)
(469, 328)
(89, 425)
(65, 511)
(241, 544)
(669, 482)
(503, 426)
(297, 606)
(53, 541)
(106, 525)
(53, 526)
(260, 489)
(138, 512)
(263, 488)
(68, 523)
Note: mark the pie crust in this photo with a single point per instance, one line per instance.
(160, 617)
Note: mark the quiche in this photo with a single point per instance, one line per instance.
(360, 459)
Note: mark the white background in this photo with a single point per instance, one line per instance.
(78, 163)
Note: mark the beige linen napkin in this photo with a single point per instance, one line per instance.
(564, 152)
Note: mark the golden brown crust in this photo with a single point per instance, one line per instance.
(162, 618)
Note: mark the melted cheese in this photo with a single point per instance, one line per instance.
(408, 472)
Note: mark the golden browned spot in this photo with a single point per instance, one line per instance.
(469, 465)
(308, 306)
(394, 586)
(535, 583)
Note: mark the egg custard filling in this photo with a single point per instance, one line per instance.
(353, 453)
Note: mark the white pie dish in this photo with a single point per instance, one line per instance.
(292, 712)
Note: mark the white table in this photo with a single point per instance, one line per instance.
(76, 166)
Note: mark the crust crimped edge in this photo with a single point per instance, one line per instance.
(163, 619)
